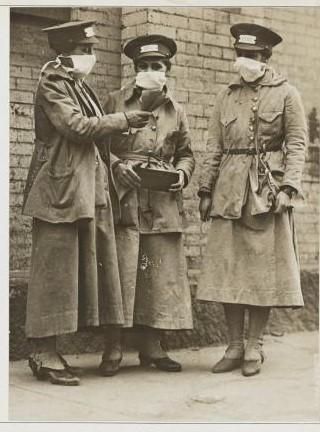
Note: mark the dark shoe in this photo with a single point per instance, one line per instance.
(108, 367)
(72, 369)
(226, 365)
(163, 363)
(59, 377)
(252, 367)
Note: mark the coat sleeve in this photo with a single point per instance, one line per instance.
(67, 118)
(295, 139)
(210, 167)
(115, 139)
(183, 157)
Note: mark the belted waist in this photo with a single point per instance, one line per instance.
(249, 150)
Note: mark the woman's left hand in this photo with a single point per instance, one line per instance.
(283, 201)
(176, 187)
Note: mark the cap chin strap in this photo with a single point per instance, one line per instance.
(57, 62)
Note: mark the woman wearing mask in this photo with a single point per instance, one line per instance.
(74, 280)
(153, 273)
(257, 149)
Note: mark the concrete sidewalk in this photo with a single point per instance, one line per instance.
(287, 390)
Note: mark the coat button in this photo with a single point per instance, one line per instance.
(250, 128)
(153, 128)
(254, 108)
(255, 99)
(251, 138)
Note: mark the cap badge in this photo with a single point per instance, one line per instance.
(89, 32)
(149, 48)
(248, 39)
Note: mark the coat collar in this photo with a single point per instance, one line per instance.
(54, 71)
(270, 78)
(131, 91)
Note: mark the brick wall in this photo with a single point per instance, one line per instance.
(28, 53)
(203, 65)
(106, 75)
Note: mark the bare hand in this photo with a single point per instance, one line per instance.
(205, 207)
(126, 176)
(283, 201)
(176, 187)
(138, 119)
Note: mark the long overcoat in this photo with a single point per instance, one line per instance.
(61, 184)
(251, 255)
(74, 279)
(159, 212)
(149, 224)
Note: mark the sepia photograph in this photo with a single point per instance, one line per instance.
(164, 213)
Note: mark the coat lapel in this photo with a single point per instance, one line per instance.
(93, 96)
(87, 109)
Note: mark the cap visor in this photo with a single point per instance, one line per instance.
(248, 47)
(150, 54)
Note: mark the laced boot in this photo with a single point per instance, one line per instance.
(112, 355)
(254, 356)
(233, 356)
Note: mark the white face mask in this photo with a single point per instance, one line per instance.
(82, 64)
(151, 80)
(250, 70)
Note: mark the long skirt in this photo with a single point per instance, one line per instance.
(153, 273)
(74, 280)
(252, 260)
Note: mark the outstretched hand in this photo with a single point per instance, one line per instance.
(137, 119)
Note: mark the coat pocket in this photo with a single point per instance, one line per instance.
(269, 116)
(39, 157)
(227, 125)
(270, 123)
(62, 189)
(226, 121)
(129, 209)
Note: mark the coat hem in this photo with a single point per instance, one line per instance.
(56, 221)
(58, 331)
(294, 305)
(163, 324)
